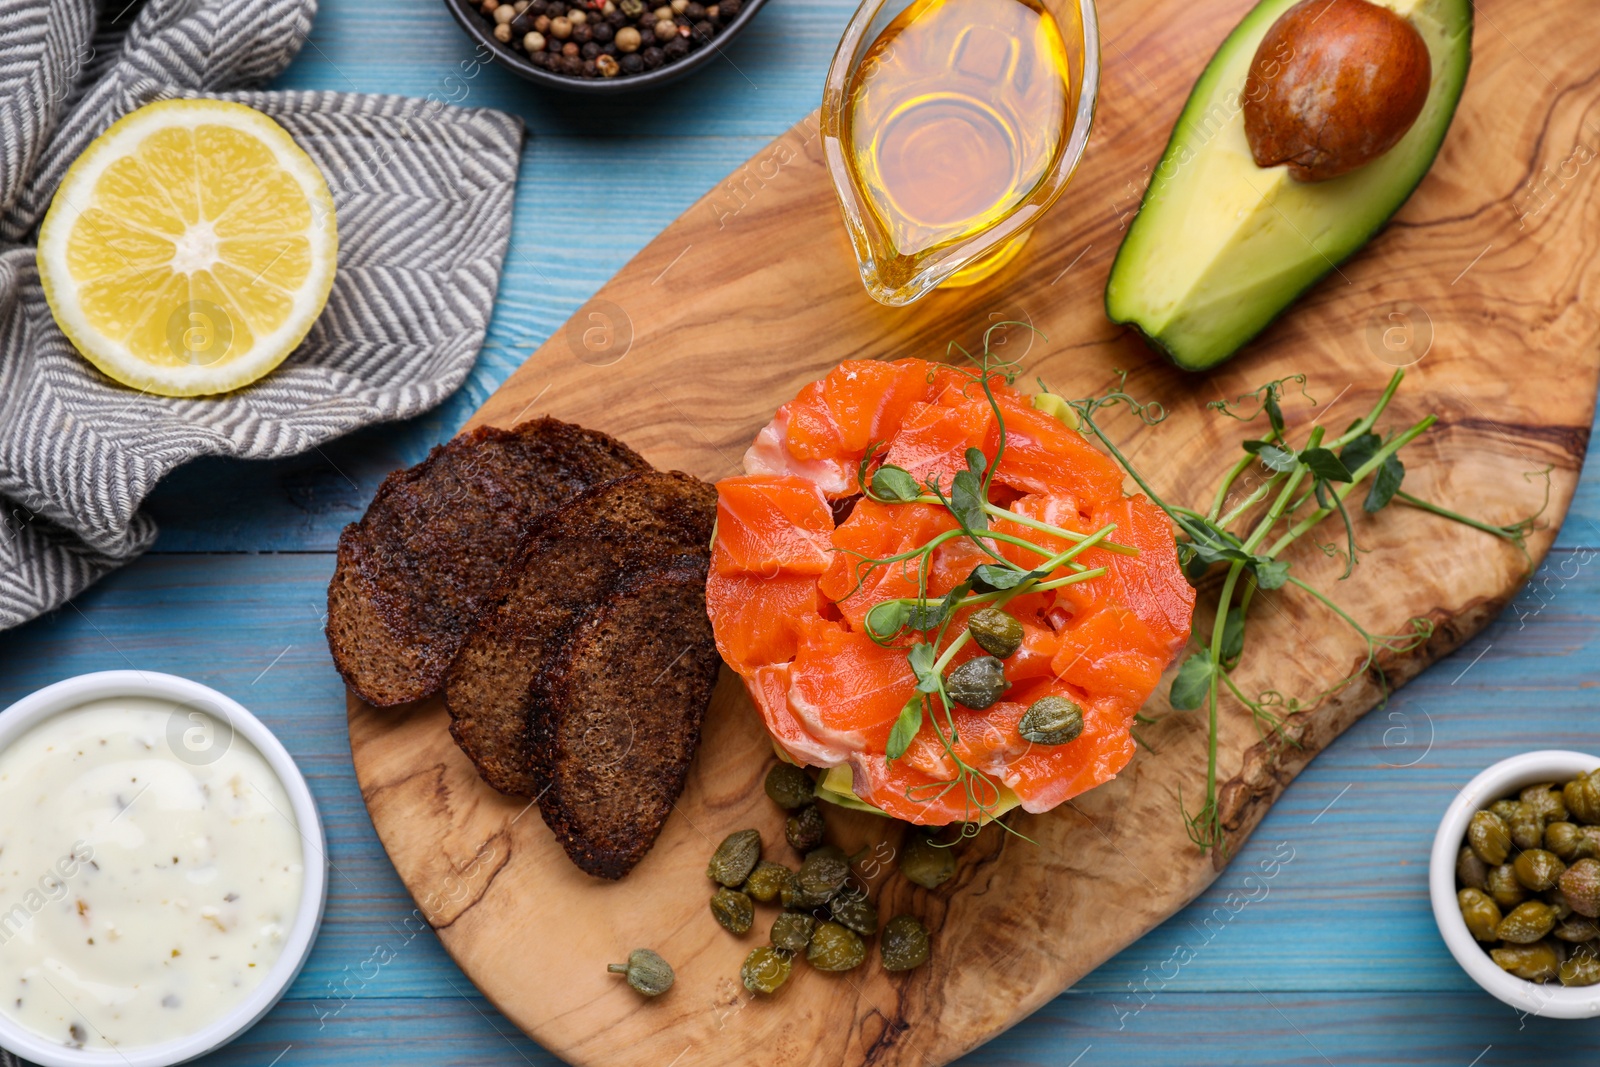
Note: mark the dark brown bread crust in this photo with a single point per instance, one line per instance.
(615, 717)
(412, 574)
(565, 567)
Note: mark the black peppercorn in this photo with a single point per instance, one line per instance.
(608, 49)
(728, 9)
(589, 51)
(631, 63)
(676, 48)
(647, 37)
(703, 31)
(582, 34)
(590, 70)
(694, 12)
(653, 57)
(555, 9)
(603, 31)
(570, 49)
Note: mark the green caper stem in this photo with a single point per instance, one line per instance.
(617, 968)
(1357, 476)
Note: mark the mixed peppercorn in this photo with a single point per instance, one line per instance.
(606, 38)
(1529, 881)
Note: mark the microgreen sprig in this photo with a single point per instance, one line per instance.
(1302, 488)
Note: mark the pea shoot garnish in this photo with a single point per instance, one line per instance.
(1303, 486)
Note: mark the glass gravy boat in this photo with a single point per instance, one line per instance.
(979, 74)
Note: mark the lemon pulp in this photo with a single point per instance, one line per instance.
(190, 248)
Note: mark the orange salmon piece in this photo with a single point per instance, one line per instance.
(1043, 456)
(867, 399)
(770, 526)
(1046, 775)
(1107, 653)
(812, 432)
(933, 440)
(847, 690)
(759, 620)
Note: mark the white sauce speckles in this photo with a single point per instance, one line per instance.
(146, 884)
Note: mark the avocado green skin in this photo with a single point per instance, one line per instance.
(1197, 97)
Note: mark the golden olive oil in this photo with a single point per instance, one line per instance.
(955, 114)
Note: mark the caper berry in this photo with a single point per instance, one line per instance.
(766, 969)
(977, 683)
(789, 786)
(1582, 797)
(1577, 929)
(1508, 809)
(925, 863)
(1527, 923)
(793, 896)
(852, 908)
(791, 931)
(1582, 968)
(1527, 829)
(1546, 801)
(1051, 721)
(1538, 962)
(1470, 870)
(1568, 841)
(804, 829)
(1537, 869)
(1581, 886)
(646, 972)
(1558, 902)
(1489, 837)
(1482, 915)
(766, 882)
(995, 631)
(1503, 887)
(824, 872)
(733, 910)
(836, 948)
(904, 944)
(735, 858)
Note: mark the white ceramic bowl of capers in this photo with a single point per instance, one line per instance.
(1506, 781)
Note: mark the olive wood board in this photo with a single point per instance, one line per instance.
(1485, 284)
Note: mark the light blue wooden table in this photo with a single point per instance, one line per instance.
(1339, 963)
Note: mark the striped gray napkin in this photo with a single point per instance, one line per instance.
(423, 194)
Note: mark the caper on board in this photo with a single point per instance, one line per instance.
(1527, 922)
(1577, 929)
(977, 683)
(1567, 840)
(1538, 962)
(995, 631)
(1489, 837)
(904, 944)
(766, 969)
(1051, 721)
(824, 872)
(1537, 869)
(646, 972)
(835, 948)
(1527, 828)
(1503, 886)
(766, 882)
(791, 931)
(789, 786)
(925, 863)
(1481, 913)
(1581, 886)
(804, 829)
(852, 908)
(733, 910)
(735, 858)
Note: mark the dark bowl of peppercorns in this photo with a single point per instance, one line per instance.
(603, 46)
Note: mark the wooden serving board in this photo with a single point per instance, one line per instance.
(1487, 284)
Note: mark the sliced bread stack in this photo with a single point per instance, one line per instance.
(553, 585)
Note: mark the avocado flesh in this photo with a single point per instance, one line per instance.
(1220, 246)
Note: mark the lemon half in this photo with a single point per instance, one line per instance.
(189, 248)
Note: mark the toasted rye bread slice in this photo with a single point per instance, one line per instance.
(568, 563)
(615, 717)
(414, 571)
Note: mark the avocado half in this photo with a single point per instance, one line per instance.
(1220, 247)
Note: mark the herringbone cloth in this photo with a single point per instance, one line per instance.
(423, 194)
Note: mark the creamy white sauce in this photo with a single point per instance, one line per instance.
(150, 869)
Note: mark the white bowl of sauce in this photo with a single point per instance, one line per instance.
(162, 871)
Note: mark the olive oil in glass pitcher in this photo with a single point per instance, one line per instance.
(948, 126)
